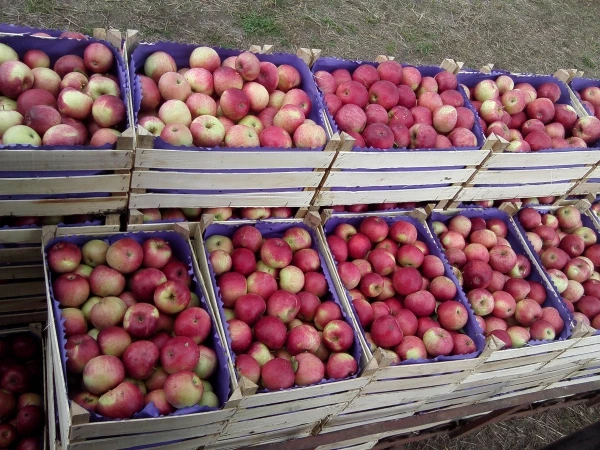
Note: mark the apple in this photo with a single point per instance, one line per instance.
(113, 341)
(140, 358)
(103, 373)
(241, 335)
(338, 336)
(326, 312)
(438, 341)
(180, 353)
(80, 349)
(277, 374)
(171, 297)
(109, 311)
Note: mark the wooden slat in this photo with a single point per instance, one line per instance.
(225, 181)
(542, 159)
(409, 159)
(20, 255)
(69, 206)
(21, 272)
(413, 383)
(415, 178)
(36, 303)
(361, 417)
(436, 368)
(512, 353)
(22, 318)
(501, 192)
(529, 176)
(221, 160)
(58, 160)
(331, 198)
(15, 290)
(64, 185)
(34, 236)
(586, 188)
(292, 199)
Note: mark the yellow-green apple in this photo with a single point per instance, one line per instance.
(103, 373)
(9, 119)
(21, 134)
(107, 312)
(309, 136)
(218, 242)
(177, 134)
(519, 336)
(113, 341)
(80, 349)
(221, 261)
(105, 281)
(486, 90)
(207, 363)
(94, 252)
(587, 234)
(276, 99)
(47, 80)
(255, 213)
(505, 84)
(152, 124)
(438, 342)
(86, 308)
(98, 58)
(99, 85)
(291, 279)
(108, 111)
(175, 111)
(326, 312)
(7, 54)
(178, 354)
(260, 352)
(444, 118)
(276, 252)
(157, 64)
(205, 58)
(71, 290)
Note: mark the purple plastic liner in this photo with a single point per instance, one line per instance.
(587, 222)
(273, 229)
(472, 329)
(55, 48)
(471, 79)
(330, 64)
(579, 84)
(552, 299)
(220, 380)
(181, 54)
(10, 28)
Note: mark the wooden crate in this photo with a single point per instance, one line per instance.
(44, 189)
(360, 175)
(190, 431)
(39, 329)
(23, 293)
(553, 172)
(202, 177)
(282, 415)
(397, 391)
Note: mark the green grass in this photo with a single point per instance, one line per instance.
(588, 62)
(39, 6)
(255, 24)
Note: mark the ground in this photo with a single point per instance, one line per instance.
(535, 36)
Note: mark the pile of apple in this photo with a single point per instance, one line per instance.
(393, 106)
(529, 118)
(39, 221)
(21, 405)
(134, 328)
(220, 214)
(571, 256)
(494, 277)
(548, 200)
(590, 97)
(285, 330)
(397, 287)
(77, 102)
(363, 207)
(237, 102)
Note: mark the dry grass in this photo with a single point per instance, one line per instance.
(520, 35)
(527, 433)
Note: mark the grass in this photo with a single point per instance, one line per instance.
(258, 25)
